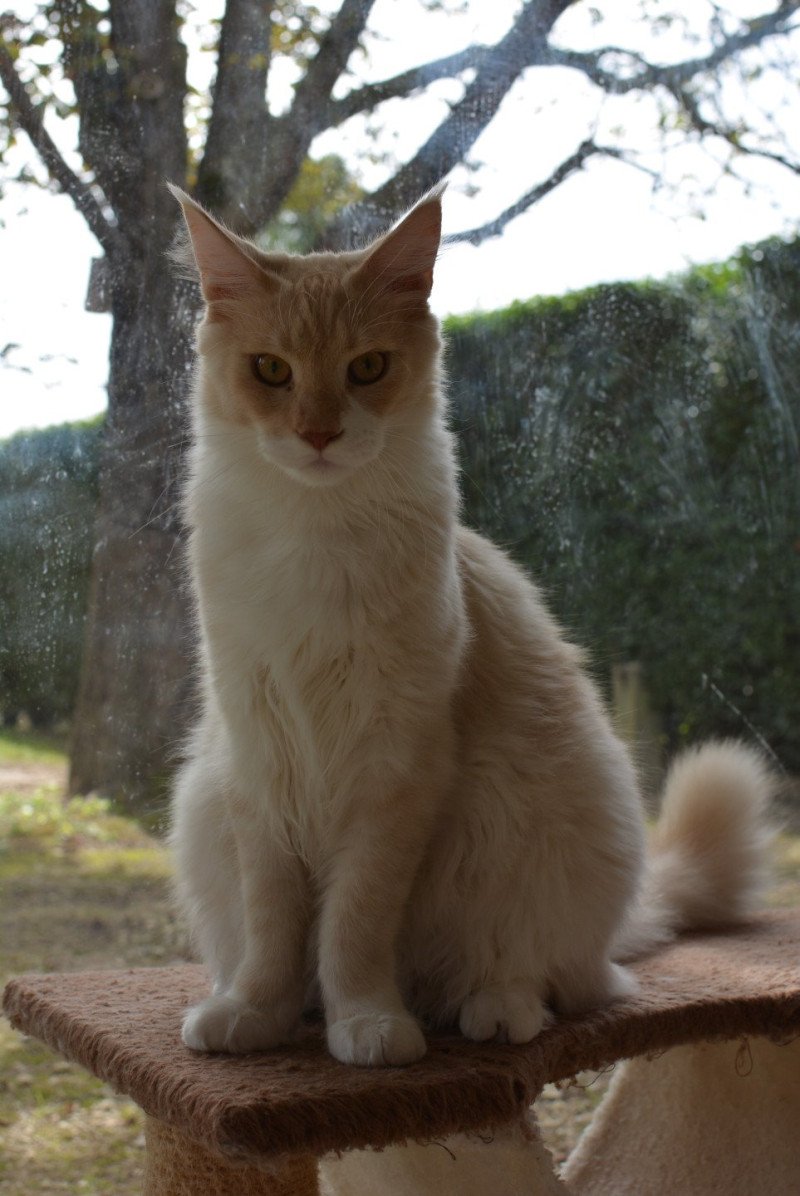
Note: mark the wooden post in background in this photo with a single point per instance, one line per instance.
(636, 723)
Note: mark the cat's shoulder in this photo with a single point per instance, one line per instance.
(486, 569)
(502, 592)
(478, 554)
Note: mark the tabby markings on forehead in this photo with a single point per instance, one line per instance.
(317, 310)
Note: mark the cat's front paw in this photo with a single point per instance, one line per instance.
(505, 1014)
(376, 1039)
(224, 1023)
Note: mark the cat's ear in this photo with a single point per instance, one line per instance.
(402, 260)
(220, 257)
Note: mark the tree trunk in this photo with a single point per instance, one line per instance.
(133, 700)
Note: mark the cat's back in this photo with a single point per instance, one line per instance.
(521, 679)
(505, 606)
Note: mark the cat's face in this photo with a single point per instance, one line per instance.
(322, 357)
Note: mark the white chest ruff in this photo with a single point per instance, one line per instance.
(332, 647)
(334, 727)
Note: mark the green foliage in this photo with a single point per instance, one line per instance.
(48, 490)
(79, 888)
(637, 447)
(30, 747)
(32, 48)
(323, 187)
(296, 29)
(42, 819)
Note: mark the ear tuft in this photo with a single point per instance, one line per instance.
(403, 259)
(180, 252)
(207, 248)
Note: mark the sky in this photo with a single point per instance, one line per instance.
(603, 224)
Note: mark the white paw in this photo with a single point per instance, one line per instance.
(513, 1014)
(224, 1023)
(376, 1039)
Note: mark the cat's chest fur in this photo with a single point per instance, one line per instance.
(332, 629)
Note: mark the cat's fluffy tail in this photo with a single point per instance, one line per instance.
(708, 862)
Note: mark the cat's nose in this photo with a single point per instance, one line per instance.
(320, 440)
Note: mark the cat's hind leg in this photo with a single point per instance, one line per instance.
(510, 1011)
(589, 984)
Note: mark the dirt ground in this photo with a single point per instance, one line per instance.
(30, 776)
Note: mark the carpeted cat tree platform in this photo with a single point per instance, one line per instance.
(709, 1102)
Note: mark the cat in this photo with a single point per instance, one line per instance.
(403, 788)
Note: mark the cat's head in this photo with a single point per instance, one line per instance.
(324, 357)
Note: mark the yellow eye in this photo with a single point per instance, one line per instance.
(369, 367)
(272, 370)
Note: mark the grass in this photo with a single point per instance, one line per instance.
(31, 747)
(82, 887)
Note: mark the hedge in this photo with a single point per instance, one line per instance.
(634, 445)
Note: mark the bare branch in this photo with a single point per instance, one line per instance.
(292, 134)
(365, 99)
(239, 112)
(523, 46)
(497, 68)
(30, 118)
(769, 155)
(97, 89)
(339, 42)
(575, 162)
(672, 76)
(711, 128)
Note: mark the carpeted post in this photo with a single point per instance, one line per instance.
(177, 1166)
(710, 1119)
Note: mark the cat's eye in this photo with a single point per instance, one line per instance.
(369, 367)
(271, 369)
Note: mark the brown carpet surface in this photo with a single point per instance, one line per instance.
(124, 1026)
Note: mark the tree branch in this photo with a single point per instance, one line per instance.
(524, 45)
(149, 137)
(676, 78)
(647, 76)
(338, 43)
(651, 75)
(97, 89)
(239, 113)
(575, 162)
(30, 118)
(365, 99)
(293, 133)
(706, 127)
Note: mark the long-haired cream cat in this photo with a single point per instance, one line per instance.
(403, 791)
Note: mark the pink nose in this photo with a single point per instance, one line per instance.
(320, 440)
